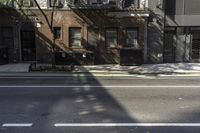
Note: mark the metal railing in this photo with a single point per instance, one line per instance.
(123, 5)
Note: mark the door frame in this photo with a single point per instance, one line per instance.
(21, 40)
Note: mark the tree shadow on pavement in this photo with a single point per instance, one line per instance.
(167, 69)
(46, 106)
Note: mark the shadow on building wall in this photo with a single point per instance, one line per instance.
(155, 37)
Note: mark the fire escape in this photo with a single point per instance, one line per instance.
(91, 13)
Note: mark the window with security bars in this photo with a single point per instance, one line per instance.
(75, 37)
(132, 38)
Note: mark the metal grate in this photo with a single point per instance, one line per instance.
(195, 48)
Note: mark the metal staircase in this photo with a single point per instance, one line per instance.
(89, 13)
(78, 9)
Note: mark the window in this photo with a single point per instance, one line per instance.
(129, 3)
(169, 45)
(170, 6)
(111, 37)
(160, 4)
(57, 32)
(77, 1)
(195, 44)
(56, 3)
(7, 37)
(28, 3)
(192, 7)
(75, 37)
(132, 38)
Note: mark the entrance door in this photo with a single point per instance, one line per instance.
(28, 46)
(195, 52)
(169, 46)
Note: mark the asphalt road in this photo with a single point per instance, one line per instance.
(100, 105)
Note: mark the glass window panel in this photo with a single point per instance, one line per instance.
(111, 37)
(53, 3)
(132, 38)
(75, 37)
(7, 37)
(57, 32)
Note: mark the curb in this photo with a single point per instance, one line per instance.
(97, 73)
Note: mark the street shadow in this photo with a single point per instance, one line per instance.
(80, 103)
(45, 106)
(155, 37)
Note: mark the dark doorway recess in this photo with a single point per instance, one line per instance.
(28, 47)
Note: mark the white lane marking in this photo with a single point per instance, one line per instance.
(79, 75)
(100, 86)
(127, 125)
(93, 77)
(17, 125)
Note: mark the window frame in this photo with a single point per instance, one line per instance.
(135, 2)
(134, 46)
(10, 37)
(55, 33)
(117, 37)
(32, 3)
(70, 38)
(56, 5)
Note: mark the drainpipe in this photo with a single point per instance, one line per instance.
(19, 42)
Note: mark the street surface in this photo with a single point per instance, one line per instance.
(100, 104)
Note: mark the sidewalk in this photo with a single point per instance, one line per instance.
(103, 70)
(20, 67)
(175, 68)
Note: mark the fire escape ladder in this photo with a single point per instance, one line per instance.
(78, 9)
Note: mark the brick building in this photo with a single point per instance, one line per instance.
(85, 32)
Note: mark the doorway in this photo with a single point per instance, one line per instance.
(195, 50)
(28, 47)
(169, 45)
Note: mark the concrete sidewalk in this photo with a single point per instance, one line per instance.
(146, 69)
(20, 67)
(176, 68)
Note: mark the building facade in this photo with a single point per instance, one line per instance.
(182, 31)
(175, 24)
(77, 32)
